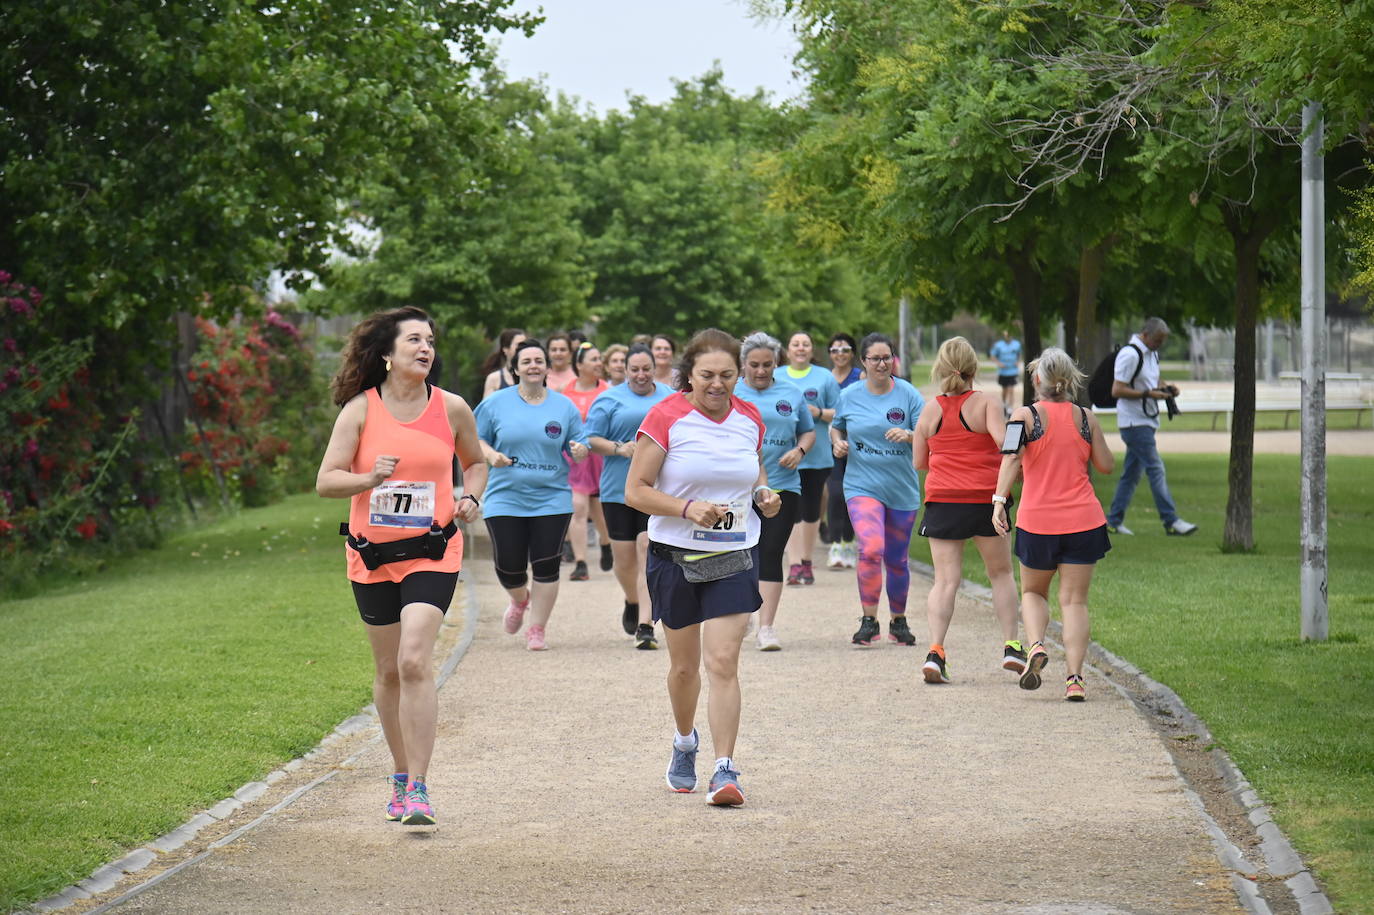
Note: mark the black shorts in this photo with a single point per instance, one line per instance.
(1047, 552)
(812, 485)
(380, 603)
(957, 520)
(1008, 381)
(622, 522)
(679, 603)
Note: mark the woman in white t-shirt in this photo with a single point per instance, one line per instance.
(697, 473)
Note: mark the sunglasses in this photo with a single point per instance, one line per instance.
(841, 349)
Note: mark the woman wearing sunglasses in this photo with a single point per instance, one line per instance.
(845, 371)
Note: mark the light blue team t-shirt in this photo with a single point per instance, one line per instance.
(615, 415)
(534, 437)
(785, 418)
(819, 387)
(1007, 353)
(877, 467)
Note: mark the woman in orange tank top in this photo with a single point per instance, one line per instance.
(1060, 526)
(956, 443)
(392, 453)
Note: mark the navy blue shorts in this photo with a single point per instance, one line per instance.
(679, 603)
(1046, 552)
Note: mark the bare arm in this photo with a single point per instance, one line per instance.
(1102, 456)
(471, 456)
(335, 479)
(839, 445)
(1122, 391)
(640, 492)
(793, 456)
(920, 439)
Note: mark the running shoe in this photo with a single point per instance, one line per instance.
(807, 576)
(644, 637)
(1073, 689)
(868, 631)
(567, 554)
(794, 573)
(1013, 656)
(629, 618)
(725, 790)
(396, 807)
(1034, 664)
(515, 615)
(418, 810)
(935, 669)
(534, 639)
(899, 632)
(835, 559)
(1120, 529)
(579, 572)
(768, 639)
(607, 559)
(682, 767)
(1180, 528)
(851, 556)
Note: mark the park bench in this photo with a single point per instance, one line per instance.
(1219, 404)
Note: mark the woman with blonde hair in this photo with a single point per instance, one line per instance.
(1060, 526)
(957, 443)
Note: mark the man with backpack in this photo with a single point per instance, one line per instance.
(1135, 385)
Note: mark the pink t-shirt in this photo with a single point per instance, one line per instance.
(707, 461)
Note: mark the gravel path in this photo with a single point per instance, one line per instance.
(866, 788)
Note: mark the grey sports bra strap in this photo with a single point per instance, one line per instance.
(1037, 427)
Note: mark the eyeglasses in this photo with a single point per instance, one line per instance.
(836, 350)
(878, 359)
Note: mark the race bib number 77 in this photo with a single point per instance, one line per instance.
(401, 503)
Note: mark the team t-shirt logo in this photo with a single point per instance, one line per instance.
(553, 429)
(811, 394)
(783, 407)
(896, 415)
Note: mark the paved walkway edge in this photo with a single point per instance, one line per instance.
(1282, 863)
(108, 875)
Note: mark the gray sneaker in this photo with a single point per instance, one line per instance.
(682, 768)
(1180, 528)
(725, 790)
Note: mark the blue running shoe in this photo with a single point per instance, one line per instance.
(682, 768)
(725, 790)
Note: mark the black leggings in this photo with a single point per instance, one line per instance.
(519, 543)
(812, 485)
(773, 534)
(837, 521)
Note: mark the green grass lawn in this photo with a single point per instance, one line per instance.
(133, 699)
(1223, 632)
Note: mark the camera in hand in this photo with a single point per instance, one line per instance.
(1171, 402)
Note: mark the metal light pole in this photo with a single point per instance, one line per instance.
(1313, 575)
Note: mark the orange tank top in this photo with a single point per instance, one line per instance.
(963, 463)
(583, 399)
(419, 492)
(1057, 496)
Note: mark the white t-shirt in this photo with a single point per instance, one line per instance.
(707, 461)
(1131, 412)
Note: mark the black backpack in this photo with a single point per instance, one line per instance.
(1100, 384)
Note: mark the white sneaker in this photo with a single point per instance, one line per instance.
(1121, 529)
(1180, 528)
(836, 560)
(768, 639)
(851, 556)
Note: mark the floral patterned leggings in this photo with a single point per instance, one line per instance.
(884, 535)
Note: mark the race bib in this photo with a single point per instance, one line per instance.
(401, 503)
(731, 527)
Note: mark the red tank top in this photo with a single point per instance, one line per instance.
(963, 463)
(1057, 496)
(418, 493)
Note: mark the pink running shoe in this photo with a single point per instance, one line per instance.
(418, 811)
(396, 807)
(515, 615)
(534, 638)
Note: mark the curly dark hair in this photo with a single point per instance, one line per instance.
(362, 365)
(710, 340)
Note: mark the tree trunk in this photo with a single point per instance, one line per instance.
(1027, 281)
(1239, 533)
(1092, 260)
(1071, 279)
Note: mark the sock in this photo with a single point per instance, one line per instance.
(938, 649)
(685, 741)
(401, 777)
(725, 762)
(806, 562)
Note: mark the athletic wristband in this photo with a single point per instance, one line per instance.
(760, 489)
(802, 450)
(1000, 500)
(687, 506)
(468, 495)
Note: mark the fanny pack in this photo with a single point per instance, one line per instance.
(699, 567)
(430, 545)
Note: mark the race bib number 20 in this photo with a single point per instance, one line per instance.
(401, 503)
(729, 529)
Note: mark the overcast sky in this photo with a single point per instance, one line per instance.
(598, 50)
